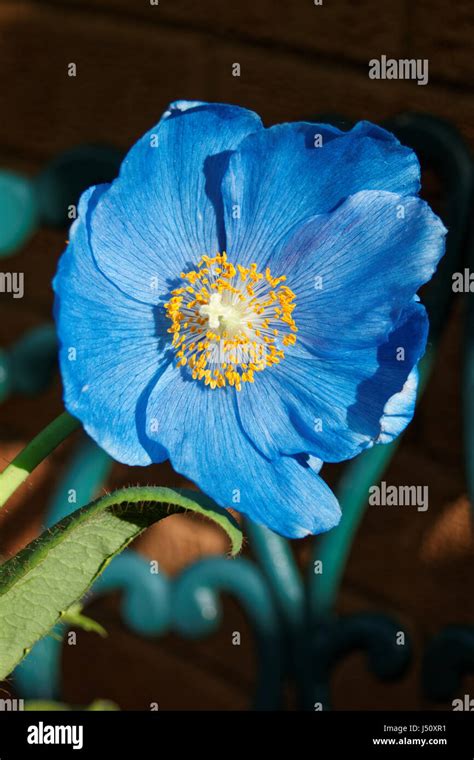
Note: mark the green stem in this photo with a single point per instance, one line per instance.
(34, 452)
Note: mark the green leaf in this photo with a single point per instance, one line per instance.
(41, 582)
(40, 705)
(74, 618)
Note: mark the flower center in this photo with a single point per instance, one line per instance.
(229, 322)
(221, 316)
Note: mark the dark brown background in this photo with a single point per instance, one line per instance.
(296, 60)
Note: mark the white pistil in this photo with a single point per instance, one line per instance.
(221, 315)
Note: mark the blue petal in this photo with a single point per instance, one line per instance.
(165, 210)
(200, 430)
(399, 410)
(353, 270)
(110, 347)
(334, 408)
(315, 463)
(278, 178)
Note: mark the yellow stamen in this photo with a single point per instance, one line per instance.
(229, 321)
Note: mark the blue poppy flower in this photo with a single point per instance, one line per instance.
(242, 301)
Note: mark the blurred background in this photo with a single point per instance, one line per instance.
(297, 60)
